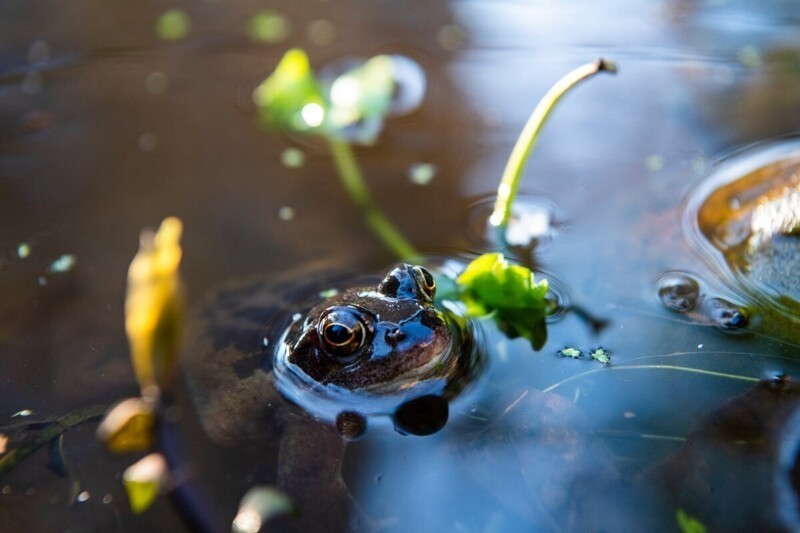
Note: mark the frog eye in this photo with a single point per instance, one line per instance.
(342, 331)
(425, 281)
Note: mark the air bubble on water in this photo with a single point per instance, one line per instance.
(410, 85)
(286, 213)
(32, 83)
(321, 32)
(23, 250)
(678, 291)
(421, 173)
(451, 37)
(749, 56)
(654, 162)
(108, 498)
(38, 52)
(698, 164)
(6, 489)
(293, 158)
(62, 264)
(268, 26)
(156, 83)
(148, 142)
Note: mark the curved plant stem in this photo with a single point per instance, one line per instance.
(654, 367)
(356, 188)
(512, 174)
(50, 432)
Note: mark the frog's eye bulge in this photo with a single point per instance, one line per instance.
(425, 281)
(342, 331)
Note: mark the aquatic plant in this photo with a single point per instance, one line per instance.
(292, 99)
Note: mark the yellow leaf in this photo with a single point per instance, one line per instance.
(128, 427)
(143, 481)
(154, 305)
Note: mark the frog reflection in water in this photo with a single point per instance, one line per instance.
(362, 354)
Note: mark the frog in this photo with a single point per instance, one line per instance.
(306, 369)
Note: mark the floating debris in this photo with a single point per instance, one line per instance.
(32, 83)
(286, 213)
(38, 52)
(268, 26)
(293, 158)
(600, 355)
(3, 443)
(421, 173)
(321, 32)
(156, 83)
(173, 25)
(451, 37)
(258, 507)
(83, 496)
(328, 293)
(62, 264)
(24, 413)
(572, 353)
(148, 142)
(749, 56)
(654, 162)
(23, 250)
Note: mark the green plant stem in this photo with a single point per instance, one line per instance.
(50, 432)
(512, 175)
(654, 367)
(354, 184)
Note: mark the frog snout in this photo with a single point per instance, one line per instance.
(394, 336)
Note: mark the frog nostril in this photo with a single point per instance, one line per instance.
(394, 336)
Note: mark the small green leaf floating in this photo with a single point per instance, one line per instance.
(688, 523)
(291, 98)
(490, 285)
(600, 355)
(572, 353)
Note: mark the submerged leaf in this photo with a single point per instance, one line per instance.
(143, 481)
(290, 97)
(259, 506)
(491, 285)
(687, 523)
(154, 305)
(128, 427)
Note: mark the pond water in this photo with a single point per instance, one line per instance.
(106, 129)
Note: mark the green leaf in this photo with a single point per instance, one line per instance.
(290, 98)
(143, 481)
(128, 427)
(363, 93)
(490, 284)
(688, 523)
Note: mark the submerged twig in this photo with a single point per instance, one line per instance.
(50, 432)
(653, 367)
